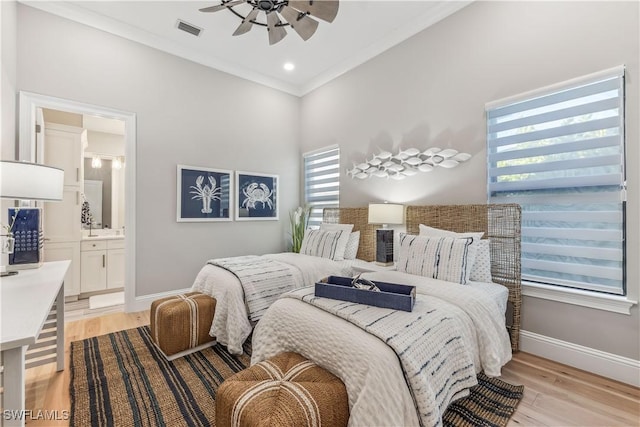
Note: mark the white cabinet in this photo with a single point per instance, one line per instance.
(61, 221)
(63, 149)
(102, 265)
(115, 268)
(66, 251)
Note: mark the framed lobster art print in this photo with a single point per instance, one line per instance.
(257, 196)
(204, 194)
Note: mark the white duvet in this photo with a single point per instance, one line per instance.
(231, 325)
(377, 390)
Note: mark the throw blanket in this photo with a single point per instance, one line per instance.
(263, 280)
(428, 342)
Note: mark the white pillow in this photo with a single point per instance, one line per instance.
(443, 258)
(481, 270)
(344, 239)
(425, 230)
(320, 243)
(351, 252)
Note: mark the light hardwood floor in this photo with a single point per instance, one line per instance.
(555, 395)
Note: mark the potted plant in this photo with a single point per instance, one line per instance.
(299, 219)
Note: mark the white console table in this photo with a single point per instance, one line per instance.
(30, 321)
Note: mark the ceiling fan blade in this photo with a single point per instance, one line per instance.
(275, 33)
(246, 24)
(301, 23)
(222, 6)
(322, 9)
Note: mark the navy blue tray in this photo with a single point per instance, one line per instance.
(391, 295)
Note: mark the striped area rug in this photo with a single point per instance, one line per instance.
(122, 380)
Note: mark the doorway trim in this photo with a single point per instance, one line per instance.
(28, 104)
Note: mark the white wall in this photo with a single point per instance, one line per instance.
(431, 90)
(107, 144)
(8, 58)
(186, 114)
(8, 34)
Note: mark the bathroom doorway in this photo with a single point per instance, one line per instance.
(106, 253)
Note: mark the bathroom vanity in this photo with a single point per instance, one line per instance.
(101, 263)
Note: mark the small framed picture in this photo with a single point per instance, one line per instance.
(204, 194)
(257, 196)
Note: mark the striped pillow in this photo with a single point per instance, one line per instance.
(321, 243)
(443, 258)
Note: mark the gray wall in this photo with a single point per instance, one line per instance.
(186, 114)
(431, 90)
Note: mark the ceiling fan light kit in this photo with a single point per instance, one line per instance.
(280, 14)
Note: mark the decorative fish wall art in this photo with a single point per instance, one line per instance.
(407, 163)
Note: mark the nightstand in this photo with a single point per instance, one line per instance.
(366, 267)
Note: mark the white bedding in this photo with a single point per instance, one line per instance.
(231, 325)
(378, 393)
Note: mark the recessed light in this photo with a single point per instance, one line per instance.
(289, 66)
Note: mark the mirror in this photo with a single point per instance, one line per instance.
(103, 203)
(92, 204)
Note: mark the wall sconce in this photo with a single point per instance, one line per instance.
(116, 163)
(96, 162)
(385, 213)
(407, 163)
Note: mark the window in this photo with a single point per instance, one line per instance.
(559, 153)
(321, 181)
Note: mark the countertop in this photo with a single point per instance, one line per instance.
(103, 237)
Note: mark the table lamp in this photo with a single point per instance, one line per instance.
(26, 181)
(385, 213)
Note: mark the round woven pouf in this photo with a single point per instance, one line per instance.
(285, 391)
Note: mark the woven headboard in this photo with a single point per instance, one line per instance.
(501, 224)
(359, 217)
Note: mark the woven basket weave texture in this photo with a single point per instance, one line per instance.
(285, 391)
(181, 322)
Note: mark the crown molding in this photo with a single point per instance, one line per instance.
(84, 16)
(437, 13)
(76, 13)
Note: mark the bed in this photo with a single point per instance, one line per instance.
(383, 385)
(235, 316)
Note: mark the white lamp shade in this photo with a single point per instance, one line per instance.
(386, 213)
(30, 181)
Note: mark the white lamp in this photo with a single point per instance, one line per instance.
(27, 181)
(385, 213)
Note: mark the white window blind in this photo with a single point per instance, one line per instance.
(560, 154)
(321, 182)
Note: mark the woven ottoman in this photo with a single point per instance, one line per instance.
(284, 391)
(180, 324)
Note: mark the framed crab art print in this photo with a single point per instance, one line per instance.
(204, 194)
(257, 196)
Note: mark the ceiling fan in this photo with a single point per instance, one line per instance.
(279, 14)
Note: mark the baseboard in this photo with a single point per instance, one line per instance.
(144, 302)
(608, 365)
